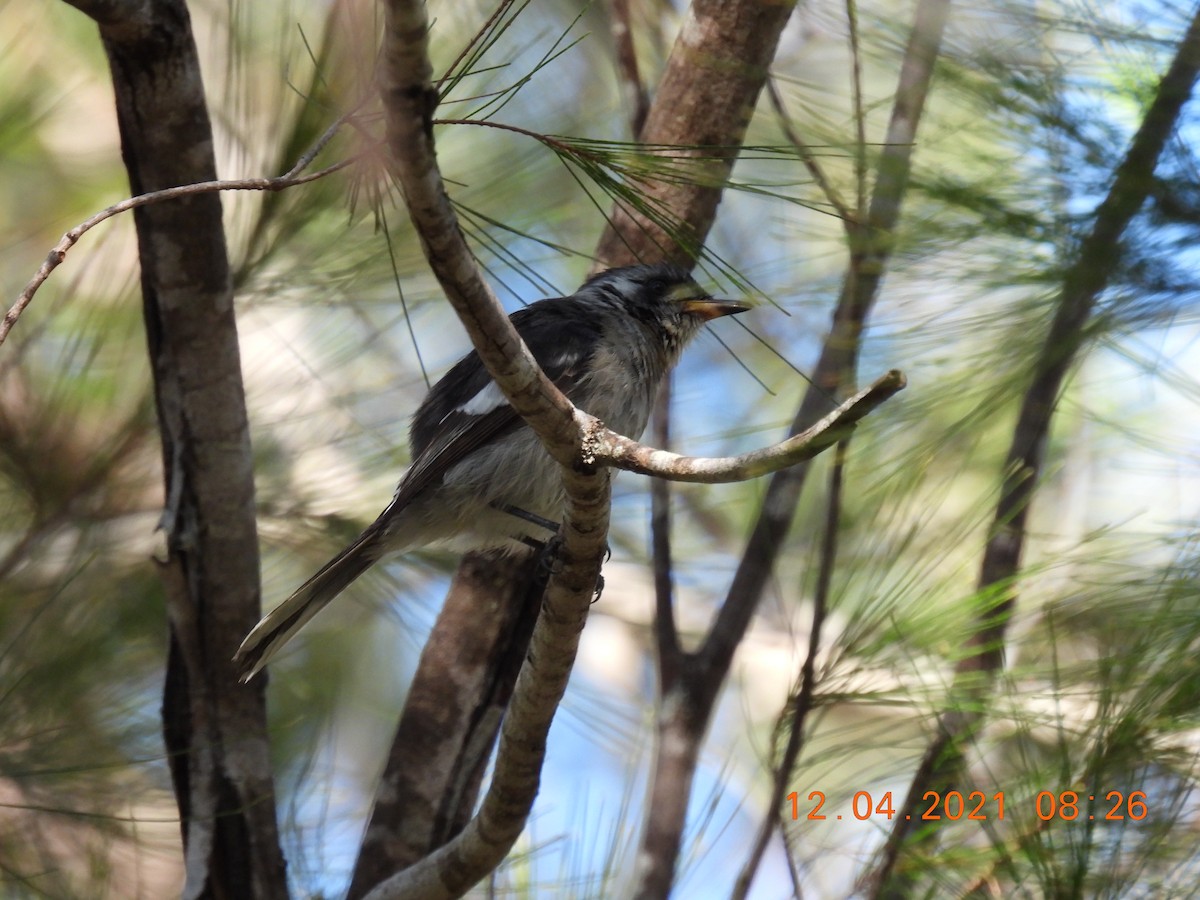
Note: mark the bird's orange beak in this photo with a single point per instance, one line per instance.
(708, 308)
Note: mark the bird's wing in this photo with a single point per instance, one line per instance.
(446, 429)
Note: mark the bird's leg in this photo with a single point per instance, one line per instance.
(549, 524)
(532, 518)
(549, 549)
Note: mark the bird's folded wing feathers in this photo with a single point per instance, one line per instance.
(445, 432)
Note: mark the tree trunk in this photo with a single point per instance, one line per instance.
(215, 729)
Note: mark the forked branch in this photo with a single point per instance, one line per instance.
(575, 440)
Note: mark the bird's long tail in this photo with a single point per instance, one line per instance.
(281, 624)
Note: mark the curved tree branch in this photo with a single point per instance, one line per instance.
(409, 100)
(607, 448)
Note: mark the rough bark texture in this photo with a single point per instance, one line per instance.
(215, 730)
(487, 838)
(704, 102)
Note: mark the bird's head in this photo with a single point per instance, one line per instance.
(663, 297)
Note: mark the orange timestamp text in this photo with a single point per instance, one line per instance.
(978, 806)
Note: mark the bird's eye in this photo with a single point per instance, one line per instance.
(656, 286)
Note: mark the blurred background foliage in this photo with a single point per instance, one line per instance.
(342, 328)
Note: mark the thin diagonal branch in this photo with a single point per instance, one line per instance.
(685, 714)
(806, 156)
(802, 704)
(1096, 260)
(666, 632)
(839, 356)
(630, 77)
(860, 112)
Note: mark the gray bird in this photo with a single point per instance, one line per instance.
(479, 476)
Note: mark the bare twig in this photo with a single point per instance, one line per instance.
(685, 714)
(666, 634)
(839, 356)
(452, 69)
(56, 256)
(806, 156)
(860, 112)
(608, 448)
